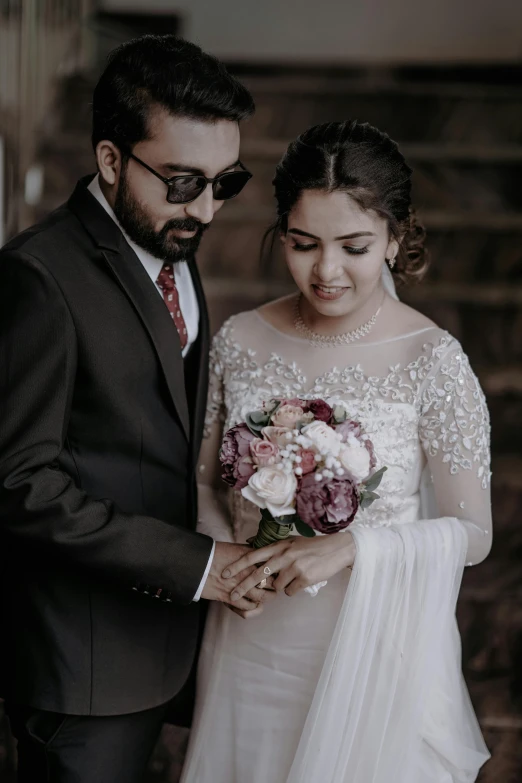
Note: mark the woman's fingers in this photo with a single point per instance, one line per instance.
(295, 586)
(253, 558)
(255, 578)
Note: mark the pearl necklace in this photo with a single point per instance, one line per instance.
(331, 341)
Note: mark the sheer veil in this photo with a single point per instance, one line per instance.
(388, 282)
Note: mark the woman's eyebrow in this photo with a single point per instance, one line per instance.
(354, 235)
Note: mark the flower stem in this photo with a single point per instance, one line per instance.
(270, 531)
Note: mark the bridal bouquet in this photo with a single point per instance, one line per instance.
(304, 464)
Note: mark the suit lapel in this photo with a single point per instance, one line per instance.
(135, 282)
(200, 365)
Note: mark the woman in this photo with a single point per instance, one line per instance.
(361, 683)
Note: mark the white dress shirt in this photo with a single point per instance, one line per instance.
(187, 301)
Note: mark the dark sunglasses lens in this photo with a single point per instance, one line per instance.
(229, 185)
(185, 189)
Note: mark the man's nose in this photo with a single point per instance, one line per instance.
(204, 207)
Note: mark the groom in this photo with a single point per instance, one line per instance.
(103, 384)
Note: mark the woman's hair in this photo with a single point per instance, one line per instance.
(364, 163)
(164, 71)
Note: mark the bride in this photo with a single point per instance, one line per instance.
(361, 683)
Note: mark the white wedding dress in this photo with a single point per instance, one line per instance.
(362, 683)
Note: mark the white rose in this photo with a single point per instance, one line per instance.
(356, 460)
(323, 437)
(273, 488)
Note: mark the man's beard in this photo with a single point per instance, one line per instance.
(161, 244)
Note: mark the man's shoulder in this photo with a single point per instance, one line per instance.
(49, 240)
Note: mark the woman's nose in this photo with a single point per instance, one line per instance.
(328, 267)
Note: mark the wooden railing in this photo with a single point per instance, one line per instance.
(38, 39)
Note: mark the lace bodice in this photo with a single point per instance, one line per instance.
(415, 395)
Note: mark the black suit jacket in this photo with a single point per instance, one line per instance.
(100, 558)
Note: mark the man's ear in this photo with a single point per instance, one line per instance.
(109, 160)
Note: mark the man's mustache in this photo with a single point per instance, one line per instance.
(185, 224)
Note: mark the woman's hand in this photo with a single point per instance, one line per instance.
(298, 563)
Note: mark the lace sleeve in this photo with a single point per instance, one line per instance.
(213, 515)
(455, 436)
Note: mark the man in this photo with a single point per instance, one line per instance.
(103, 382)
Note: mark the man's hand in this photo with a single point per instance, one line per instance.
(218, 589)
(295, 562)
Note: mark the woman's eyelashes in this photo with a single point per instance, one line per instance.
(353, 251)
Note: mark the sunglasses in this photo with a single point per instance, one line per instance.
(187, 187)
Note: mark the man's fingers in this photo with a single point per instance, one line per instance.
(243, 604)
(260, 596)
(246, 615)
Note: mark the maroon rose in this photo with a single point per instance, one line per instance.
(328, 505)
(321, 410)
(235, 456)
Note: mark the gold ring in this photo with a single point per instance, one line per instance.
(262, 584)
(267, 571)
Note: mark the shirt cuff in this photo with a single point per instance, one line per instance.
(205, 575)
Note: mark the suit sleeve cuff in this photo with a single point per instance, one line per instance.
(205, 575)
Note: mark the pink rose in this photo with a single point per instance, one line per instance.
(295, 401)
(321, 410)
(287, 416)
(263, 452)
(276, 435)
(328, 505)
(308, 462)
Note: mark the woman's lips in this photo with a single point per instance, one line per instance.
(329, 293)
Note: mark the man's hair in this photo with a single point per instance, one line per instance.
(166, 72)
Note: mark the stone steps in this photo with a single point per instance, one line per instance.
(411, 112)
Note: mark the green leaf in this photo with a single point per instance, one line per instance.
(265, 513)
(254, 427)
(367, 498)
(374, 480)
(302, 528)
(259, 417)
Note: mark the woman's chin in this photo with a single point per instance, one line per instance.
(332, 308)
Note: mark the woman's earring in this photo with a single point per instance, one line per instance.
(391, 262)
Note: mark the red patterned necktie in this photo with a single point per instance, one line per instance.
(166, 282)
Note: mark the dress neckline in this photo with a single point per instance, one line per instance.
(303, 340)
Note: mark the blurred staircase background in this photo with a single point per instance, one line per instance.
(461, 130)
